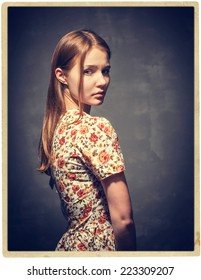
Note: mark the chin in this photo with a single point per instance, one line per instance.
(98, 103)
(95, 103)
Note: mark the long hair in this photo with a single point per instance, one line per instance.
(72, 48)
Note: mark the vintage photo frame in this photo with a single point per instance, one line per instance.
(6, 120)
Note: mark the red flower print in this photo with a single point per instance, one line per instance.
(98, 231)
(67, 198)
(81, 247)
(76, 113)
(60, 163)
(107, 129)
(61, 245)
(84, 129)
(101, 125)
(120, 168)
(101, 220)
(60, 186)
(116, 144)
(71, 176)
(104, 216)
(76, 188)
(74, 132)
(87, 209)
(93, 138)
(103, 156)
(81, 217)
(74, 154)
(78, 122)
(62, 141)
(80, 193)
(61, 129)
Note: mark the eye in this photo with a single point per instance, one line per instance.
(106, 71)
(88, 72)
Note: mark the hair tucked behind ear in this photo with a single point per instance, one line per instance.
(72, 46)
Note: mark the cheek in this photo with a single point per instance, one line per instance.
(73, 87)
(88, 84)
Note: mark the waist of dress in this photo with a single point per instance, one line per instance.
(90, 220)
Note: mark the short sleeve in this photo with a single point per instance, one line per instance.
(101, 151)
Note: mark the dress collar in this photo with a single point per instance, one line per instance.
(73, 115)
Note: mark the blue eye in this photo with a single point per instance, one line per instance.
(88, 71)
(106, 71)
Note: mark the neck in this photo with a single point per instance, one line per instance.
(72, 103)
(87, 109)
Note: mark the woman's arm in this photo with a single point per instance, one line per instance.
(120, 208)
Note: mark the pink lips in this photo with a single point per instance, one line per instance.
(99, 93)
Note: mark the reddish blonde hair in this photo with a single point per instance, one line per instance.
(71, 48)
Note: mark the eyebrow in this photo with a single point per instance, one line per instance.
(96, 66)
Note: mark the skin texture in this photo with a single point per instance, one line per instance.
(120, 211)
(95, 83)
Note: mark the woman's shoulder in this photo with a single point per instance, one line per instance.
(86, 125)
(73, 116)
(96, 120)
(98, 124)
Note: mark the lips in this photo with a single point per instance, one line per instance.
(99, 93)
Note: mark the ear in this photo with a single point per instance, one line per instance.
(60, 76)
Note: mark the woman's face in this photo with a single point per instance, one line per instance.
(95, 78)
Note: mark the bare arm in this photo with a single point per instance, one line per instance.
(120, 208)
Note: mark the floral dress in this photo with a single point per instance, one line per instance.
(85, 151)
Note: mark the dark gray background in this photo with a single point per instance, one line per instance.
(150, 103)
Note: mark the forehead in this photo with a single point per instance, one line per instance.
(96, 56)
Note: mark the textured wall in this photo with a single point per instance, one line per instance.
(150, 103)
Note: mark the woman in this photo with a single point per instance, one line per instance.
(81, 152)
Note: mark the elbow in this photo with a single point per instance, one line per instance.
(125, 234)
(123, 224)
(127, 223)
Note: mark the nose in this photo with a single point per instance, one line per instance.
(102, 80)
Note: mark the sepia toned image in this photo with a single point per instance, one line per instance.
(145, 103)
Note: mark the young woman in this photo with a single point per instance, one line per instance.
(82, 152)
